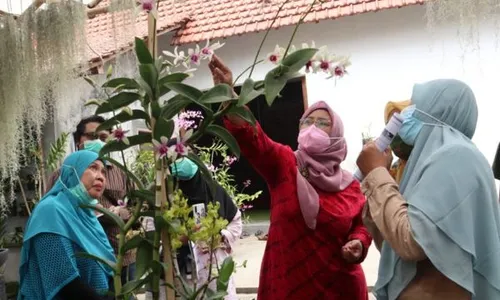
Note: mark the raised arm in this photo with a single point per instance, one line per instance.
(389, 212)
(269, 158)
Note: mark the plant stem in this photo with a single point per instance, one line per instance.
(117, 278)
(246, 70)
(212, 246)
(297, 27)
(265, 37)
(155, 285)
(165, 239)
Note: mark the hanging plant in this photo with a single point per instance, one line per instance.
(39, 52)
(466, 15)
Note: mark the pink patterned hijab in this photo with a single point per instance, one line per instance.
(321, 171)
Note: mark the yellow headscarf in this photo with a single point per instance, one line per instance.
(390, 108)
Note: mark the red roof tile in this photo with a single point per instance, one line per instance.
(100, 30)
(211, 19)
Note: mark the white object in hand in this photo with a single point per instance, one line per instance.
(199, 212)
(385, 139)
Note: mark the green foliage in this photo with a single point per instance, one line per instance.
(144, 167)
(221, 173)
(167, 206)
(57, 152)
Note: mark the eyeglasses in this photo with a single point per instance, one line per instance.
(319, 122)
(103, 136)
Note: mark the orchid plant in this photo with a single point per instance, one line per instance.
(163, 99)
(221, 174)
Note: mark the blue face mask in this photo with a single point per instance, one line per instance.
(184, 169)
(79, 191)
(411, 126)
(94, 145)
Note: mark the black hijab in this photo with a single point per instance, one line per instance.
(197, 191)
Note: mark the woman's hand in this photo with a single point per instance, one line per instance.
(371, 158)
(352, 251)
(220, 72)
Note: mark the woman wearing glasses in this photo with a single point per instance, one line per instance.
(316, 237)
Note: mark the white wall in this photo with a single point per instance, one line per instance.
(390, 51)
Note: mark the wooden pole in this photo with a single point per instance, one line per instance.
(165, 237)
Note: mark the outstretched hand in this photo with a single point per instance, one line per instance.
(220, 72)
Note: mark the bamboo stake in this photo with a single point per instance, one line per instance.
(161, 189)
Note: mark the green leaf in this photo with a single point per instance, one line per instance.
(144, 256)
(134, 140)
(129, 174)
(57, 151)
(132, 243)
(192, 94)
(155, 109)
(207, 175)
(125, 83)
(274, 82)
(90, 81)
(142, 52)
(108, 263)
(145, 86)
(174, 106)
(211, 295)
(149, 74)
(117, 101)
(143, 194)
(225, 272)
(185, 90)
(217, 94)
(248, 92)
(148, 213)
(107, 214)
(123, 117)
(188, 290)
(298, 59)
(225, 137)
(243, 113)
(133, 286)
(174, 77)
(158, 267)
(160, 223)
(175, 225)
(163, 127)
(109, 73)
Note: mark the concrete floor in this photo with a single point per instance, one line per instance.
(252, 250)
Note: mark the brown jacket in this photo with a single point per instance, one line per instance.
(386, 217)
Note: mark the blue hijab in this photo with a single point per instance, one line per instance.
(452, 200)
(59, 212)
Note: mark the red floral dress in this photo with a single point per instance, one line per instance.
(300, 263)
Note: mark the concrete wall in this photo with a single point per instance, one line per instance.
(390, 51)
